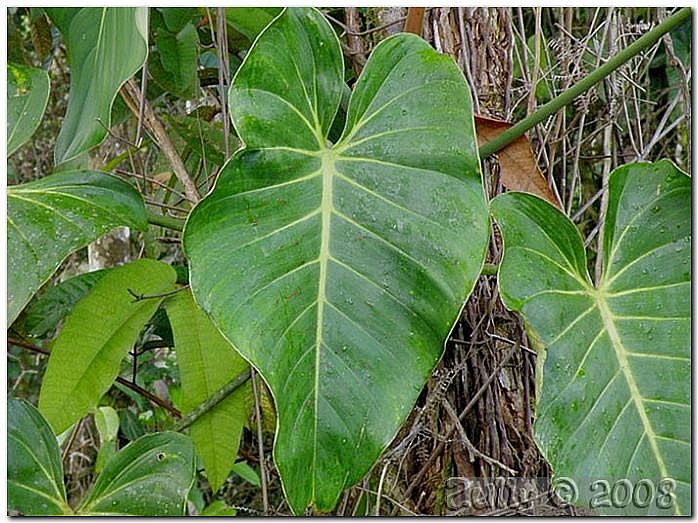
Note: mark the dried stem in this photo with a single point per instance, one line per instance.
(162, 139)
(128, 384)
(260, 442)
(586, 83)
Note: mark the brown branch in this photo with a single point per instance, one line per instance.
(416, 480)
(357, 49)
(126, 383)
(415, 20)
(221, 43)
(373, 29)
(260, 441)
(156, 128)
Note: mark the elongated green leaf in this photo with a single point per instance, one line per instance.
(206, 363)
(206, 139)
(34, 469)
(106, 46)
(97, 335)
(107, 423)
(27, 94)
(151, 476)
(173, 65)
(615, 398)
(50, 218)
(247, 473)
(339, 269)
(218, 509)
(176, 18)
(45, 311)
(249, 21)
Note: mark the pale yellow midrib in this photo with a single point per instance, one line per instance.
(323, 259)
(636, 396)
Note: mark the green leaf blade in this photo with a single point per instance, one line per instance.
(250, 21)
(44, 313)
(34, 469)
(287, 91)
(106, 47)
(97, 335)
(207, 362)
(62, 17)
(50, 218)
(27, 95)
(345, 267)
(151, 476)
(615, 399)
(173, 65)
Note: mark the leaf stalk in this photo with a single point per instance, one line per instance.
(557, 103)
(165, 221)
(208, 405)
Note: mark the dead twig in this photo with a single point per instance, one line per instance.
(356, 48)
(260, 442)
(440, 447)
(128, 384)
(161, 138)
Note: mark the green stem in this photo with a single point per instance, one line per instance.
(140, 297)
(489, 269)
(584, 84)
(218, 396)
(114, 162)
(165, 221)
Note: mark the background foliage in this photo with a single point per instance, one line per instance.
(483, 390)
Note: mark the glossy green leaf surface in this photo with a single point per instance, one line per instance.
(206, 363)
(151, 476)
(97, 335)
(615, 394)
(34, 469)
(50, 218)
(106, 46)
(339, 269)
(27, 94)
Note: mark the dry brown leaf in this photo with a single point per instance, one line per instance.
(519, 169)
(163, 177)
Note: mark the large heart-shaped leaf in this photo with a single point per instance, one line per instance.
(50, 218)
(206, 363)
(99, 332)
(614, 403)
(34, 469)
(27, 94)
(106, 46)
(150, 477)
(339, 269)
